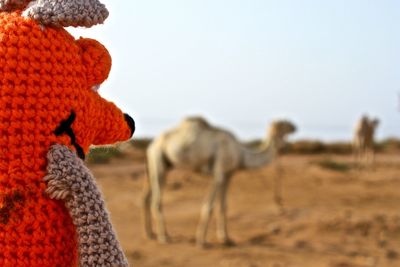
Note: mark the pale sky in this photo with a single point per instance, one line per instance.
(243, 63)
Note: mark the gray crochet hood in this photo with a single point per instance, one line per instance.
(60, 13)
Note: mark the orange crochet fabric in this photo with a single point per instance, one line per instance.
(45, 76)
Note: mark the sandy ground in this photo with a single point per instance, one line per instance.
(334, 218)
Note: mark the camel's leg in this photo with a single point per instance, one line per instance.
(222, 231)
(371, 157)
(156, 172)
(278, 188)
(146, 213)
(156, 208)
(356, 155)
(207, 209)
(361, 157)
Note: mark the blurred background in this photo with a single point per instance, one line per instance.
(241, 64)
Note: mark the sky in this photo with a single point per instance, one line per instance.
(243, 63)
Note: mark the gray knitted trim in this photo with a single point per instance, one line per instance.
(8, 5)
(70, 180)
(65, 13)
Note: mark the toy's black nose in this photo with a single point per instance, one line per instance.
(131, 123)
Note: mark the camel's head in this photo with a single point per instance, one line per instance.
(364, 117)
(279, 131)
(374, 123)
(49, 81)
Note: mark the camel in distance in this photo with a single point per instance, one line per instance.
(199, 146)
(364, 139)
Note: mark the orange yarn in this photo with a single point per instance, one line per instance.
(45, 74)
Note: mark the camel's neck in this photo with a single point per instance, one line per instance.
(260, 157)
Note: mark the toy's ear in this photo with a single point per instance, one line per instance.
(76, 13)
(96, 59)
(9, 5)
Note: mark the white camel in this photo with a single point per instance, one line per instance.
(363, 141)
(199, 146)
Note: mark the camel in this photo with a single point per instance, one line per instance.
(363, 142)
(199, 146)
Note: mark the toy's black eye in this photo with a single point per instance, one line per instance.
(96, 88)
(65, 127)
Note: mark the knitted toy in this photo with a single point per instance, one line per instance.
(51, 212)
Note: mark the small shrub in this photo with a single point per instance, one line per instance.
(305, 147)
(102, 155)
(389, 145)
(332, 165)
(341, 148)
(141, 143)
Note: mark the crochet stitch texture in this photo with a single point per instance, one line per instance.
(45, 76)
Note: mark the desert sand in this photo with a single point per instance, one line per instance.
(336, 216)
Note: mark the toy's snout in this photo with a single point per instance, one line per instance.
(109, 123)
(92, 120)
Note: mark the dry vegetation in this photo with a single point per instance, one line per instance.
(337, 214)
(302, 147)
(312, 147)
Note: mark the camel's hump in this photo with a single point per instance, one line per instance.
(196, 120)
